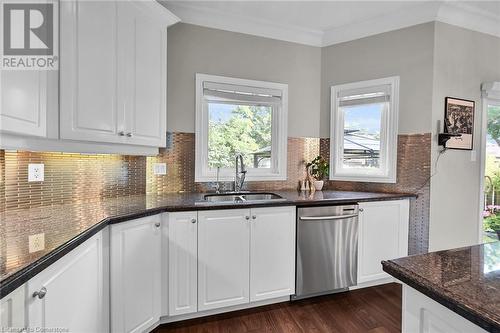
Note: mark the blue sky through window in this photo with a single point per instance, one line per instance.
(365, 117)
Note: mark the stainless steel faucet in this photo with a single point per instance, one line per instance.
(217, 184)
(239, 178)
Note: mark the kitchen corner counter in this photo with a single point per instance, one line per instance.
(68, 225)
(465, 280)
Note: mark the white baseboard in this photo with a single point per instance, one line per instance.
(374, 283)
(167, 319)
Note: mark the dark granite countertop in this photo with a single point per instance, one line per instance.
(68, 225)
(465, 280)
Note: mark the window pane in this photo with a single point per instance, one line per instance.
(237, 128)
(362, 125)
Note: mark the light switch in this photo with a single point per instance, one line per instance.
(35, 172)
(160, 168)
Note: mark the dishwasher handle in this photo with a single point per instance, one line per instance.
(322, 218)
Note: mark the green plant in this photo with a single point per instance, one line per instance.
(492, 222)
(318, 168)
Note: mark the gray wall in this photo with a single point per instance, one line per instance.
(463, 60)
(193, 49)
(407, 52)
(434, 60)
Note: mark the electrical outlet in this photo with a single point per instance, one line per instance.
(36, 242)
(35, 172)
(160, 168)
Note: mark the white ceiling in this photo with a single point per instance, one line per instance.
(322, 23)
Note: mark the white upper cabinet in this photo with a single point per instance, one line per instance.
(223, 258)
(144, 39)
(23, 102)
(383, 235)
(272, 253)
(135, 274)
(89, 107)
(72, 293)
(113, 72)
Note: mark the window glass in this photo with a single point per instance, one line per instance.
(239, 128)
(362, 125)
(364, 131)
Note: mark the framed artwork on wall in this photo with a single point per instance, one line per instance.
(459, 119)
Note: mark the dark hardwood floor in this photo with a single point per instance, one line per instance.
(375, 310)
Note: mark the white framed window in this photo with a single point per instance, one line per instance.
(240, 116)
(364, 130)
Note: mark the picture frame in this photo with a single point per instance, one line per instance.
(459, 119)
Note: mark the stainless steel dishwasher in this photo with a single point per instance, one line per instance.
(327, 250)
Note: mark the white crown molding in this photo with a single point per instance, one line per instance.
(244, 24)
(469, 17)
(451, 12)
(395, 20)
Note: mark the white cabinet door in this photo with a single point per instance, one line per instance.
(89, 105)
(143, 36)
(223, 258)
(13, 310)
(72, 292)
(383, 234)
(23, 102)
(272, 253)
(135, 274)
(182, 263)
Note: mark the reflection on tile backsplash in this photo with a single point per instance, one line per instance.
(71, 177)
(180, 160)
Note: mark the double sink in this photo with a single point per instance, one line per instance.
(242, 197)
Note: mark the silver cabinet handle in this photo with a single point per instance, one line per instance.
(193, 220)
(121, 133)
(247, 217)
(361, 209)
(157, 224)
(254, 217)
(41, 293)
(129, 134)
(320, 218)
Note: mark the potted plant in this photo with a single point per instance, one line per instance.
(492, 223)
(318, 169)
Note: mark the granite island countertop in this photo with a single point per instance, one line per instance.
(465, 280)
(68, 225)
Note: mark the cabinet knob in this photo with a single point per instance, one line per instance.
(41, 293)
(247, 217)
(129, 134)
(157, 224)
(121, 133)
(254, 217)
(361, 209)
(193, 220)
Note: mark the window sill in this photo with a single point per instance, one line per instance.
(365, 179)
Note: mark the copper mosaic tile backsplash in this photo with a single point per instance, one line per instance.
(180, 158)
(72, 177)
(69, 177)
(413, 175)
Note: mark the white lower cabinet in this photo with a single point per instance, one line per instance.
(423, 314)
(272, 253)
(383, 234)
(223, 258)
(135, 259)
(72, 294)
(182, 263)
(13, 310)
